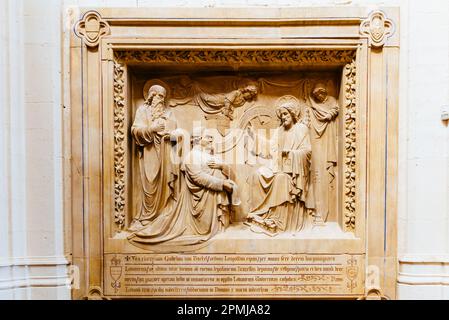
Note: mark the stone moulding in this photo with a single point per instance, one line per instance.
(237, 56)
(341, 57)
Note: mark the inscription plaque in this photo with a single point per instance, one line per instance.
(224, 275)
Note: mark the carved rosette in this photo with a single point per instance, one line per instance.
(238, 56)
(91, 28)
(350, 145)
(119, 145)
(378, 28)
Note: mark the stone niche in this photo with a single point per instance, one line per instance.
(237, 153)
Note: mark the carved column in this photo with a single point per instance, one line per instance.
(381, 141)
(12, 165)
(89, 31)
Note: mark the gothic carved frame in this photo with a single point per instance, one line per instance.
(96, 174)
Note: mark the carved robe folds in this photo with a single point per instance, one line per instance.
(202, 209)
(324, 157)
(280, 191)
(158, 172)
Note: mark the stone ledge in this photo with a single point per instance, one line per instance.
(424, 270)
(34, 261)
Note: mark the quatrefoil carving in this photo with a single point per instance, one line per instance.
(91, 28)
(378, 28)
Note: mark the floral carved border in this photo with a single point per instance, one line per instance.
(119, 145)
(350, 145)
(237, 56)
(345, 58)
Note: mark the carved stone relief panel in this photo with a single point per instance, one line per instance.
(223, 170)
(209, 157)
(235, 106)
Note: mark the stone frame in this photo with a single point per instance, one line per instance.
(103, 41)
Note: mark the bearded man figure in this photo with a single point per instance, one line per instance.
(280, 196)
(154, 130)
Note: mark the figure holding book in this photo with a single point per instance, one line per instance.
(281, 195)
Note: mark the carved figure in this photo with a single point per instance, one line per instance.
(225, 103)
(281, 196)
(219, 104)
(153, 129)
(204, 204)
(322, 112)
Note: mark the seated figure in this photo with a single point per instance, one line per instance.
(204, 203)
(280, 196)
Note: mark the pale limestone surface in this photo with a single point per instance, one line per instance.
(423, 225)
(191, 67)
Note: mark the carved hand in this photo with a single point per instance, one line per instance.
(157, 127)
(213, 164)
(228, 185)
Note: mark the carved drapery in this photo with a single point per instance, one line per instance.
(346, 57)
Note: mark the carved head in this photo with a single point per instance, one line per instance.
(156, 95)
(204, 138)
(249, 91)
(287, 112)
(207, 142)
(319, 93)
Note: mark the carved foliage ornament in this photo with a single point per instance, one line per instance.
(91, 28)
(378, 28)
(238, 56)
(119, 145)
(350, 145)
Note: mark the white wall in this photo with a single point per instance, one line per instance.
(424, 218)
(32, 261)
(32, 257)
